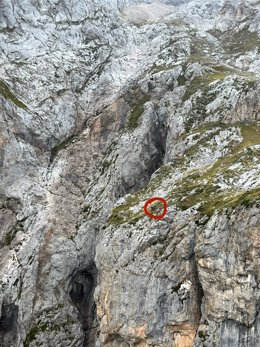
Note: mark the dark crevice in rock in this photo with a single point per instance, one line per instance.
(153, 148)
(199, 289)
(8, 325)
(82, 285)
(159, 140)
(199, 294)
(60, 146)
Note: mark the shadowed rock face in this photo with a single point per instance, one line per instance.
(8, 325)
(99, 113)
(81, 293)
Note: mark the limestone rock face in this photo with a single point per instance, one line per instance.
(104, 105)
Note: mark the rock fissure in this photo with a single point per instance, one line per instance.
(83, 284)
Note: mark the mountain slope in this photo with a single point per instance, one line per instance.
(106, 104)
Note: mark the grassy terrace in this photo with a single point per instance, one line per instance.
(202, 82)
(198, 186)
(124, 213)
(207, 94)
(236, 42)
(220, 73)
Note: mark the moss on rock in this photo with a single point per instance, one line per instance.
(200, 186)
(6, 92)
(31, 336)
(136, 113)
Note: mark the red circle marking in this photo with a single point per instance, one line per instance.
(148, 202)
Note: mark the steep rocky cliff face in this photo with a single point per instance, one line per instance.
(105, 104)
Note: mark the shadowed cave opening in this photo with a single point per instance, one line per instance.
(8, 325)
(82, 286)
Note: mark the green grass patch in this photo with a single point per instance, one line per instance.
(213, 127)
(203, 140)
(6, 92)
(31, 336)
(202, 82)
(200, 186)
(182, 80)
(60, 146)
(207, 94)
(41, 328)
(158, 68)
(239, 41)
(124, 213)
(161, 174)
(136, 113)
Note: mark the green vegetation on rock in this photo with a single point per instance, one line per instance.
(104, 166)
(158, 68)
(203, 139)
(202, 82)
(11, 234)
(136, 113)
(124, 214)
(238, 41)
(60, 146)
(200, 186)
(6, 92)
(203, 93)
(41, 327)
(46, 327)
(31, 336)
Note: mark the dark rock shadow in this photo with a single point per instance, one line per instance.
(82, 286)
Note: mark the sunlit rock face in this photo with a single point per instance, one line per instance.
(104, 105)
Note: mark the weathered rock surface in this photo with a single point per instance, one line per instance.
(105, 104)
